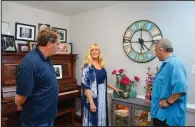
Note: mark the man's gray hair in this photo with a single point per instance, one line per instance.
(165, 44)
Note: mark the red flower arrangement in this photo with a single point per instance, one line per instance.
(121, 70)
(136, 78)
(123, 78)
(123, 81)
(114, 72)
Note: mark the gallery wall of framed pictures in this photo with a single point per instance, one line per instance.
(27, 33)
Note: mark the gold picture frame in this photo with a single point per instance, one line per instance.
(63, 49)
(40, 24)
(32, 45)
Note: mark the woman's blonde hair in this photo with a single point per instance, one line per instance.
(88, 59)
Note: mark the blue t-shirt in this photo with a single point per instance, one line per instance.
(37, 81)
(171, 79)
(100, 75)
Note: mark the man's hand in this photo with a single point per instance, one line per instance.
(172, 99)
(19, 108)
(20, 100)
(164, 104)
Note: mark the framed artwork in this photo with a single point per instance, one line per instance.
(63, 34)
(70, 48)
(5, 27)
(17, 69)
(40, 24)
(25, 32)
(63, 48)
(8, 43)
(32, 45)
(23, 48)
(58, 70)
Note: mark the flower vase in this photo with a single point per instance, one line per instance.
(115, 94)
(133, 91)
(117, 86)
(125, 94)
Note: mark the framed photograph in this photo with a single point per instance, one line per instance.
(25, 32)
(17, 69)
(58, 70)
(63, 48)
(40, 24)
(70, 48)
(8, 43)
(63, 34)
(23, 48)
(32, 45)
(5, 27)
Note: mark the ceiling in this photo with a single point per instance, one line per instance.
(67, 8)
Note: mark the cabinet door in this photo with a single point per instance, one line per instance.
(141, 116)
(120, 114)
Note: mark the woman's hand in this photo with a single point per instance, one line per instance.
(92, 107)
(117, 90)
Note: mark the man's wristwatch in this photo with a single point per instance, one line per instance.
(168, 102)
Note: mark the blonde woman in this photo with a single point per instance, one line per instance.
(94, 89)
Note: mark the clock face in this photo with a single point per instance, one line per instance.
(139, 41)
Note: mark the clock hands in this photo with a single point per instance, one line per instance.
(142, 46)
(145, 46)
(141, 41)
(150, 41)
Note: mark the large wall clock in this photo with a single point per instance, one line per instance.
(139, 41)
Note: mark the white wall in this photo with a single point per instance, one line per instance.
(12, 13)
(106, 27)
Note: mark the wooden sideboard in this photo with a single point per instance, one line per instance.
(68, 88)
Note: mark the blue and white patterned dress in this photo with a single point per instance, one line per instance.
(96, 81)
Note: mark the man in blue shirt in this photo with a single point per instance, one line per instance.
(168, 106)
(37, 86)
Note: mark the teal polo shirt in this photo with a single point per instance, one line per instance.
(171, 79)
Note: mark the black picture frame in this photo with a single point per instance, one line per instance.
(58, 70)
(17, 70)
(70, 48)
(8, 43)
(25, 32)
(23, 48)
(63, 34)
